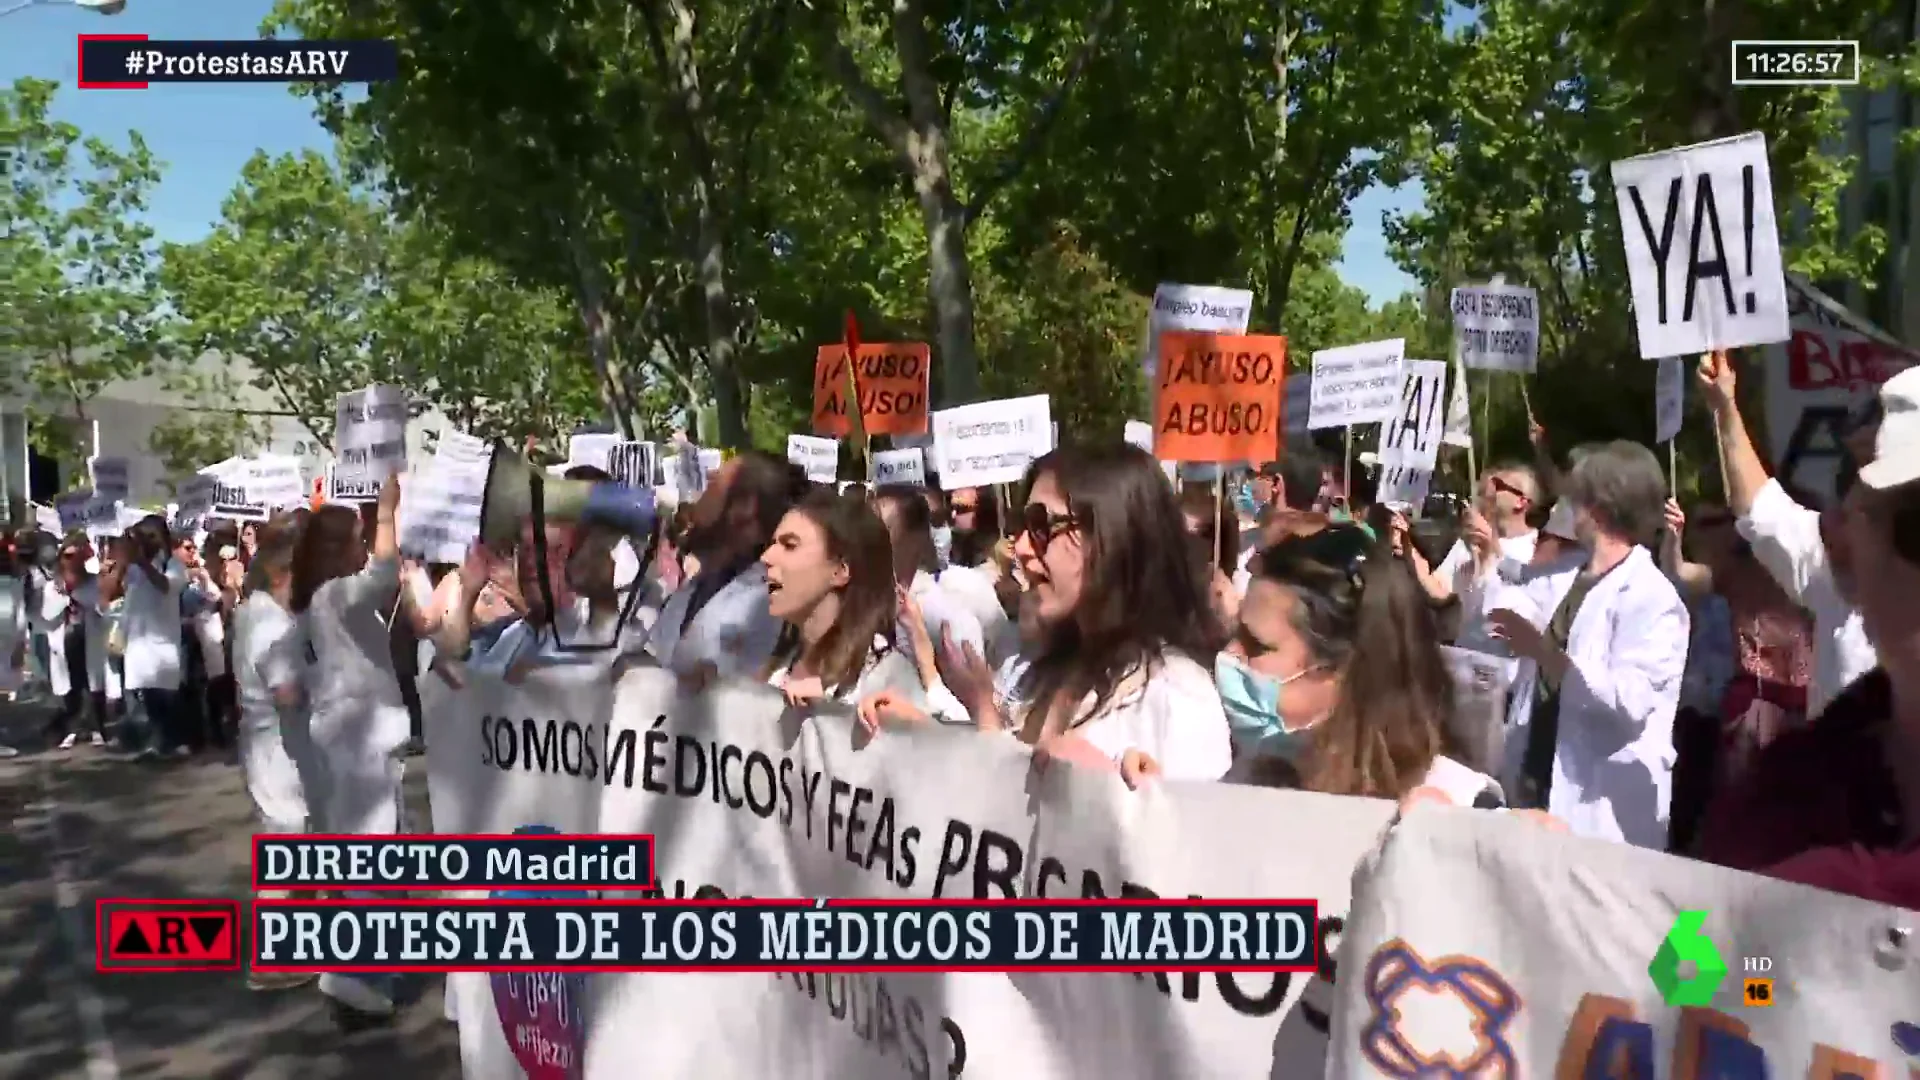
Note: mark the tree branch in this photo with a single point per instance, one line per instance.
(1035, 138)
(845, 68)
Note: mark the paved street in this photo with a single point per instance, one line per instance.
(84, 826)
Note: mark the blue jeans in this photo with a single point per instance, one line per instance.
(151, 721)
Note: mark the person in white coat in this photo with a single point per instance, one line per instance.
(1604, 648)
(70, 617)
(717, 621)
(344, 589)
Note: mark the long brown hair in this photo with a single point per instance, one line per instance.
(323, 548)
(855, 536)
(1363, 614)
(1142, 594)
(275, 542)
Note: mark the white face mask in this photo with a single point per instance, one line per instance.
(93, 564)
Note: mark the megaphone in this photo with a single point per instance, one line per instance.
(516, 489)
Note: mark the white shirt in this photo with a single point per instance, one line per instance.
(1612, 775)
(1472, 588)
(1170, 712)
(521, 640)
(887, 668)
(941, 613)
(268, 653)
(354, 696)
(971, 589)
(734, 631)
(150, 621)
(1786, 539)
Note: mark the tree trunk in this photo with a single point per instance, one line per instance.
(1279, 262)
(676, 51)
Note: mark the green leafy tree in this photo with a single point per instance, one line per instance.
(79, 307)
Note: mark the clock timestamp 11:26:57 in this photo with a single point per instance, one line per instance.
(1796, 63)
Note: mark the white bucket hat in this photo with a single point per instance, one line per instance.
(1896, 448)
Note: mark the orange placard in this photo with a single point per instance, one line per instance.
(1220, 397)
(893, 389)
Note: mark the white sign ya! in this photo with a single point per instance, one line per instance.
(1703, 250)
(1410, 440)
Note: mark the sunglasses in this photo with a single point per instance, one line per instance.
(1042, 525)
(964, 508)
(1501, 485)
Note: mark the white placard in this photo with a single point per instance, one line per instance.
(907, 466)
(818, 455)
(991, 442)
(274, 481)
(1063, 833)
(1669, 398)
(73, 509)
(193, 501)
(1355, 384)
(1212, 308)
(711, 459)
(231, 498)
(1139, 433)
(1459, 429)
(458, 446)
(689, 470)
(1518, 952)
(1410, 439)
(591, 448)
(370, 439)
(341, 491)
(1497, 327)
(439, 515)
(1703, 251)
(1834, 362)
(112, 477)
(1480, 685)
(633, 464)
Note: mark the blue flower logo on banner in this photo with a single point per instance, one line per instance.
(540, 1010)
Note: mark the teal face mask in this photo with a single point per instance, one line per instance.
(1252, 702)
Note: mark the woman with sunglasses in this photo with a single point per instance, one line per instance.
(1126, 624)
(1334, 680)
(830, 582)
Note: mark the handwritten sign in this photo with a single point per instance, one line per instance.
(819, 457)
(1410, 440)
(1210, 309)
(370, 437)
(112, 477)
(990, 442)
(1497, 327)
(1356, 384)
(907, 466)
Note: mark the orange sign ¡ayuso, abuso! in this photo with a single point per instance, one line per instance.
(1219, 397)
(892, 381)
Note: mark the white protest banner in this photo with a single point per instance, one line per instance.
(274, 480)
(745, 798)
(112, 477)
(370, 439)
(106, 517)
(458, 446)
(1480, 684)
(1669, 398)
(633, 464)
(711, 458)
(342, 491)
(591, 448)
(231, 498)
(193, 501)
(73, 509)
(1497, 327)
(1297, 403)
(1703, 251)
(1834, 361)
(1487, 943)
(439, 515)
(1410, 439)
(1139, 433)
(689, 470)
(990, 442)
(1459, 428)
(819, 456)
(1355, 384)
(1211, 308)
(907, 466)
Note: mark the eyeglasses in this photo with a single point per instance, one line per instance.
(1042, 525)
(964, 508)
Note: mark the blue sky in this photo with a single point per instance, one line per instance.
(204, 133)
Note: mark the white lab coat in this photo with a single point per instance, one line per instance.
(51, 620)
(734, 631)
(1613, 754)
(13, 630)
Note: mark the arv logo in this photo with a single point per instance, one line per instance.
(540, 1011)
